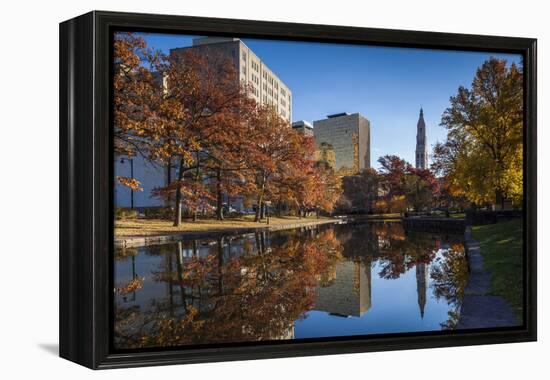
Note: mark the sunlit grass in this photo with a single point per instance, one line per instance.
(151, 227)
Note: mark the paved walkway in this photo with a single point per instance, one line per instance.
(480, 309)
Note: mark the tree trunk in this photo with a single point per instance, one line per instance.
(219, 195)
(259, 205)
(258, 243)
(262, 210)
(257, 214)
(177, 217)
(197, 177)
(499, 198)
(179, 263)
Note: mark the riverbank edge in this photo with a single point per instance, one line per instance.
(140, 241)
(480, 309)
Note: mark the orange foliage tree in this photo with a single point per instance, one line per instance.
(136, 101)
(201, 105)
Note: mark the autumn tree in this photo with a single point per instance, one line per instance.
(362, 190)
(421, 188)
(202, 97)
(329, 185)
(225, 159)
(273, 150)
(306, 184)
(393, 170)
(137, 96)
(482, 157)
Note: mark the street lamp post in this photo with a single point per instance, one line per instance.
(131, 176)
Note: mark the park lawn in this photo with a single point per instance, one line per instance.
(502, 250)
(459, 215)
(153, 227)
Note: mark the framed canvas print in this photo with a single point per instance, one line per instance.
(237, 189)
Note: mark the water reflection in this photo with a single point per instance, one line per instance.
(327, 281)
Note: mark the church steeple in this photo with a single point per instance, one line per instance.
(421, 143)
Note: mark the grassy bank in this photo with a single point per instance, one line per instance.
(459, 215)
(152, 227)
(502, 250)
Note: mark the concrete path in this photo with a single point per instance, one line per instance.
(480, 309)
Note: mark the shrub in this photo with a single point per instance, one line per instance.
(125, 213)
(158, 213)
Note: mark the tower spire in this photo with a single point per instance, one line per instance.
(421, 143)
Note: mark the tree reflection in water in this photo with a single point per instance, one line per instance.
(450, 276)
(255, 287)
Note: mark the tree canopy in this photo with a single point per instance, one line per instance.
(482, 157)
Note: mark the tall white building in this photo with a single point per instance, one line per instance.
(266, 87)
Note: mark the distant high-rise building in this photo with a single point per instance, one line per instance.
(304, 127)
(421, 143)
(349, 135)
(265, 86)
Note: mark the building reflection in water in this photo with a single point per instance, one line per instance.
(349, 291)
(421, 280)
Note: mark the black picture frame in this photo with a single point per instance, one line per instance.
(86, 176)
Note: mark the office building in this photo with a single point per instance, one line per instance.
(303, 127)
(349, 135)
(266, 87)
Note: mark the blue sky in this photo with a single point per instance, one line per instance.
(387, 85)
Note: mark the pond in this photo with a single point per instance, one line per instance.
(326, 281)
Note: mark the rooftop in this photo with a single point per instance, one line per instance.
(338, 114)
(302, 123)
(212, 40)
